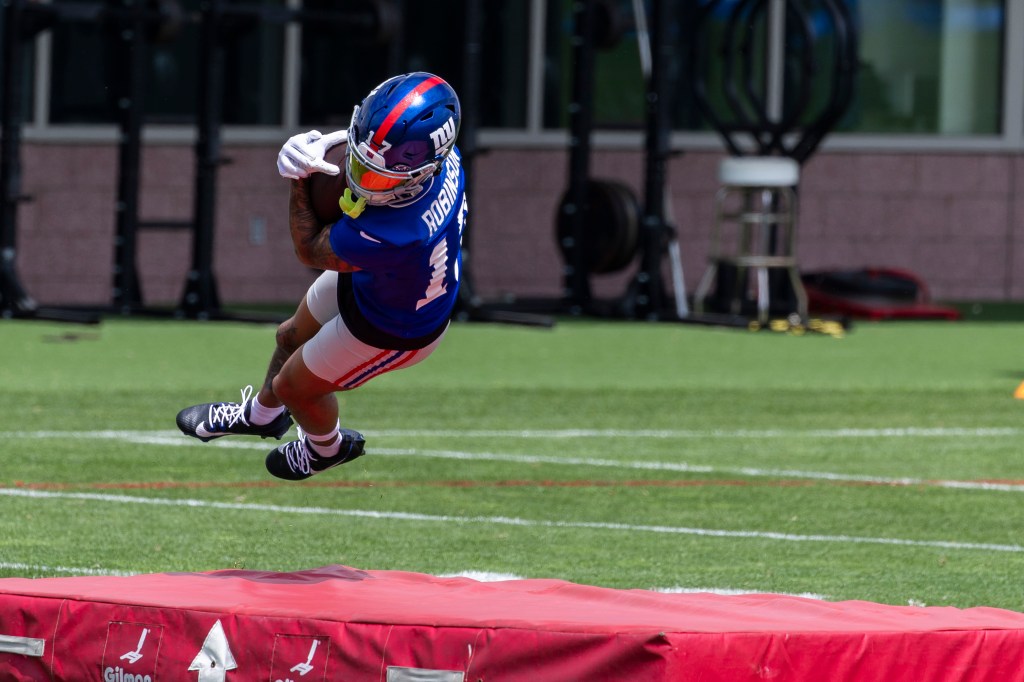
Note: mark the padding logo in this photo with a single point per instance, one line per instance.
(298, 658)
(131, 652)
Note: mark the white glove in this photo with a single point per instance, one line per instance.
(303, 154)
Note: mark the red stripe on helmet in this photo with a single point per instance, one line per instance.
(399, 109)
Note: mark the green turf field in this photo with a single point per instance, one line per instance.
(885, 465)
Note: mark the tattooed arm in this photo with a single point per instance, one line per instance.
(311, 239)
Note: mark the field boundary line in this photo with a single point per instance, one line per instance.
(509, 521)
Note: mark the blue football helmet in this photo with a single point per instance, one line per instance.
(399, 137)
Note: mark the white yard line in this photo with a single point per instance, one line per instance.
(754, 472)
(902, 432)
(176, 439)
(488, 576)
(38, 569)
(909, 432)
(506, 521)
(480, 576)
(732, 592)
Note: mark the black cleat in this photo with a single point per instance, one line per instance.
(297, 460)
(213, 420)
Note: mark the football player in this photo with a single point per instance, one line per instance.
(390, 273)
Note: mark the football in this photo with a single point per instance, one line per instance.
(325, 190)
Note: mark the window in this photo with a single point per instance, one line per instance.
(338, 64)
(929, 67)
(618, 79)
(24, 75)
(924, 66)
(91, 71)
(339, 68)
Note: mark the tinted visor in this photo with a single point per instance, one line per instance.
(371, 179)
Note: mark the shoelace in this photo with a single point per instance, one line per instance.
(297, 455)
(224, 415)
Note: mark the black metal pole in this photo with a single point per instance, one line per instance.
(131, 56)
(577, 283)
(469, 306)
(13, 298)
(650, 297)
(201, 300)
(468, 302)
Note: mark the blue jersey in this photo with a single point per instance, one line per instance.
(408, 256)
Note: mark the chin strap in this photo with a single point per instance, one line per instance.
(351, 206)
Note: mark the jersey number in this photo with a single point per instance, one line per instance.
(439, 263)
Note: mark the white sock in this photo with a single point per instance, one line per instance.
(330, 449)
(258, 414)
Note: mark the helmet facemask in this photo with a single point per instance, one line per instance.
(369, 177)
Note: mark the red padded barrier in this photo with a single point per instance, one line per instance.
(339, 623)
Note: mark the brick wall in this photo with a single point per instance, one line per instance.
(957, 220)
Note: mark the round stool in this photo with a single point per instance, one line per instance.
(753, 233)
